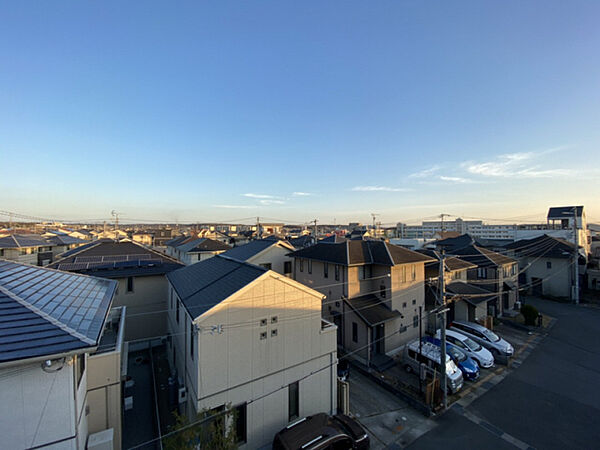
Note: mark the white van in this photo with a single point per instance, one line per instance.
(430, 357)
(477, 352)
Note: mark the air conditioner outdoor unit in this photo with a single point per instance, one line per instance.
(182, 394)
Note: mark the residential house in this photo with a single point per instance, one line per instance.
(495, 272)
(546, 265)
(81, 234)
(272, 254)
(161, 236)
(192, 250)
(374, 292)
(62, 243)
(140, 272)
(26, 248)
(52, 324)
(143, 237)
(567, 218)
(247, 337)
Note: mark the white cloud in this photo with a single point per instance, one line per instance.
(302, 194)
(425, 172)
(271, 202)
(455, 179)
(517, 165)
(263, 196)
(378, 189)
(233, 206)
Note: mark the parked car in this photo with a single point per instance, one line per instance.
(343, 370)
(468, 367)
(487, 338)
(429, 355)
(320, 432)
(480, 354)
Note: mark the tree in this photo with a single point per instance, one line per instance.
(212, 429)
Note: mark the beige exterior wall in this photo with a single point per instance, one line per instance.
(14, 254)
(237, 365)
(556, 280)
(275, 255)
(313, 276)
(146, 306)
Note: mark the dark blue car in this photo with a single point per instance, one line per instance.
(468, 367)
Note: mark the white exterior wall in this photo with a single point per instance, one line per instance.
(556, 280)
(39, 408)
(12, 254)
(274, 255)
(237, 366)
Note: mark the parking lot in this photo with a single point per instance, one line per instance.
(393, 423)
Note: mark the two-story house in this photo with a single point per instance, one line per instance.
(52, 325)
(248, 338)
(374, 291)
(272, 254)
(192, 249)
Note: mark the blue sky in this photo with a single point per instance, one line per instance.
(299, 110)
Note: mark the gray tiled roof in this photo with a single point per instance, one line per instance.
(202, 245)
(370, 309)
(252, 248)
(204, 284)
(470, 292)
(543, 246)
(44, 311)
(361, 252)
(22, 240)
(65, 239)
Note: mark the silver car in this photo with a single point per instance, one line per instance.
(487, 338)
(476, 351)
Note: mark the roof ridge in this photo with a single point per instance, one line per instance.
(46, 316)
(389, 254)
(369, 248)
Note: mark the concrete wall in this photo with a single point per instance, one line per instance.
(146, 306)
(38, 408)
(237, 365)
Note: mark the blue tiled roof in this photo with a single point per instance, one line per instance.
(204, 284)
(44, 311)
(22, 240)
(247, 251)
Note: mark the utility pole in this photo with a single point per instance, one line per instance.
(258, 231)
(374, 217)
(420, 346)
(576, 257)
(443, 332)
(315, 221)
(442, 216)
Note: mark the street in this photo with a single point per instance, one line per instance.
(551, 401)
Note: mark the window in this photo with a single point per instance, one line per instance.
(239, 425)
(354, 332)
(337, 272)
(366, 272)
(415, 321)
(413, 272)
(274, 319)
(382, 291)
(402, 329)
(404, 304)
(263, 335)
(192, 341)
(266, 266)
(301, 265)
(309, 263)
(79, 367)
(177, 313)
(548, 264)
(287, 267)
(293, 401)
(263, 322)
(514, 269)
(481, 272)
(129, 284)
(414, 302)
(274, 332)
(404, 274)
(325, 270)
(171, 290)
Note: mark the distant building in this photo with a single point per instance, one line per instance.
(192, 249)
(26, 248)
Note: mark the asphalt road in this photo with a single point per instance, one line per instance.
(551, 401)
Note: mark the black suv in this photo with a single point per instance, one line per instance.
(322, 432)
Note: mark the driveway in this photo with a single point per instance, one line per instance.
(550, 401)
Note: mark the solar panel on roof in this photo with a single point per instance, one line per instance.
(126, 264)
(72, 266)
(139, 256)
(150, 262)
(86, 259)
(101, 265)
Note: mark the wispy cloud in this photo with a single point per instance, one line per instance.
(271, 202)
(302, 194)
(425, 172)
(378, 189)
(259, 196)
(233, 206)
(456, 179)
(517, 165)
